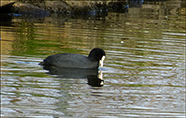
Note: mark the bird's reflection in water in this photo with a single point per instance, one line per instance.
(94, 77)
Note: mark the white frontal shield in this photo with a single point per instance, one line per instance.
(101, 61)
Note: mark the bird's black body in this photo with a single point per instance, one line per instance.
(68, 60)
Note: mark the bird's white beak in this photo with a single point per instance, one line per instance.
(101, 61)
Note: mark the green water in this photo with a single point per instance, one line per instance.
(144, 69)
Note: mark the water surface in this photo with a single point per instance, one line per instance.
(143, 73)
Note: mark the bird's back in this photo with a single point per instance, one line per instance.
(68, 60)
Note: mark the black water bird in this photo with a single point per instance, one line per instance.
(77, 61)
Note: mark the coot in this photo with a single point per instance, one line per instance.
(69, 60)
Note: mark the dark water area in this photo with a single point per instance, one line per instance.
(143, 73)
